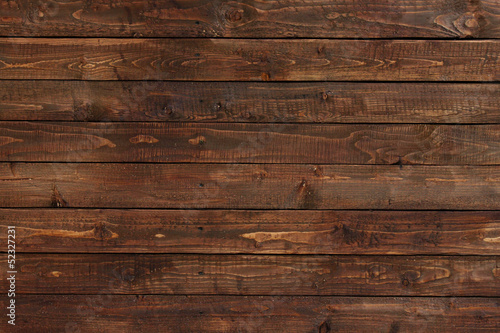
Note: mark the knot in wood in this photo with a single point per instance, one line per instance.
(472, 23)
(128, 274)
(234, 15)
(468, 24)
(101, 232)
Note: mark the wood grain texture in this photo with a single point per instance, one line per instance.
(120, 313)
(250, 143)
(197, 274)
(154, 183)
(223, 18)
(260, 232)
(249, 186)
(249, 102)
(248, 59)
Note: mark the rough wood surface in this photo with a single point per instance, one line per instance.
(250, 143)
(271, 232)
(224, 18)
(255, 186)
(249, 59)
(197, 274)
(250, 102)
(120, 313)
(155, 185)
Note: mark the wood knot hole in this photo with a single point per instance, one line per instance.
(234, 15)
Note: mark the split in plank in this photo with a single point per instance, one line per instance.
(258, 19)
(196, 274)
(120, 313)
(250, 102)
(250, 143)
(260, 232)
(249, 59)
(249, 186)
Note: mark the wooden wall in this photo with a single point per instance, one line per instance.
(251, 166)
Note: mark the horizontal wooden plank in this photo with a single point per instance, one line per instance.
(248, 59)
(183, 274)
(250, 102)
(249, 186)
(119, 313)
(271, 232)
(250, 143)
(288, 18)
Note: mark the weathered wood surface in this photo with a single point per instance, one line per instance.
(249, 59)
(194, 274)
(249, 186)
(251, 206)
(250, 102)
(120, 313)
(250, 143)
(223, 18)
(260, 232)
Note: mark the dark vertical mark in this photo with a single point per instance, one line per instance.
(306, 196)
(129, 15)
(324, 328)
(394, 327)
(57, 199)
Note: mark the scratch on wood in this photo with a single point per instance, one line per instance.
(307, 237)
(388, 178)
(445, 180)
(99, 232)
(14, 180)
(143, 139)
(5, 140)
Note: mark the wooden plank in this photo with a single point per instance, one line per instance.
(197, 274)
(249, 186)
(288, 18)
(248, 59)
(250, 143)
(249, 102)
(261, 232)
(119, 313)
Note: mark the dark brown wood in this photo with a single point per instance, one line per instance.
(120, 313)
(224, 18)
(250, 102)
(244, 186)
(249, 59)
(140, 156)
(256, 275)
(272, 232)
(250, 143)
